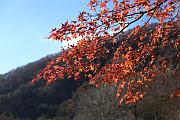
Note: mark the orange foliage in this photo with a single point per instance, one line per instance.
(134, 64)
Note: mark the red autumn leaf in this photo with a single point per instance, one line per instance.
(102, 4)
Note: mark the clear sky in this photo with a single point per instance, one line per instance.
(24, 24)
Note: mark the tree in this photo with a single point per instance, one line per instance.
(99, 104)
(137, 60)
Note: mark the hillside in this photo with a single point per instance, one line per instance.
(72, 100)
(26, 100)
(14, 78)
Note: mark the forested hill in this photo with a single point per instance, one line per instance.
(76, 100)
(14, 78)
(22, 99)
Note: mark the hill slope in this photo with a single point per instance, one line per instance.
(26, 100)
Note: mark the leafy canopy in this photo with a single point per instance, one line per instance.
(136, 62)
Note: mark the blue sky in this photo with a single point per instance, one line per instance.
(24, 24)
